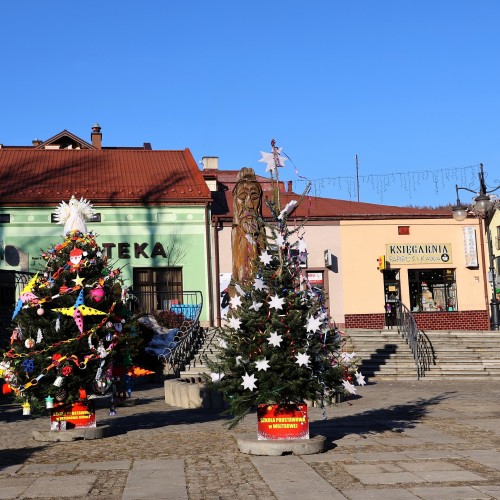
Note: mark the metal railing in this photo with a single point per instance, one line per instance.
(181, 312)
(418, 342)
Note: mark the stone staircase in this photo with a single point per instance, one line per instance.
(385, 355)
(382, 355)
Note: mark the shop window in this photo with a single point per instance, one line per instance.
(432, 290)
(157, 288)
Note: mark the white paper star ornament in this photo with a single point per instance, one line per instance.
(275, 339)
(235, 323)
(256, 306)
(262, 364)
(258, 284)
(360, 379)
(302, 359)
(249, 382)
(313, 324)
(269, 159)
(265, 258)
(276, 302)
(235, 301)
(349, 387)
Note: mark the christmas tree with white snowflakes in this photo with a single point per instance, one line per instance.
(278, 345)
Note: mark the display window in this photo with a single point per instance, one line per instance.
(432, 290)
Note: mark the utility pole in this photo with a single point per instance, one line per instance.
(357, 175)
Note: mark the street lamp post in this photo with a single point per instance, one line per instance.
(483, 207)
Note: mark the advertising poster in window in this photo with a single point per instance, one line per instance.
(315, 279)
(470, 247)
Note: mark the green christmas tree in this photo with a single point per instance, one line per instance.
(70, 321)
(279, 346)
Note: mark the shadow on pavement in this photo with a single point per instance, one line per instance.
(140, 420)
(378, 420)
(16, 456)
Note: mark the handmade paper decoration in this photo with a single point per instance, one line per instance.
(74, 215)
(26, 295)
(78, 311)
(26, 408)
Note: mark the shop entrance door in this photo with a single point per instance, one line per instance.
(392, 295)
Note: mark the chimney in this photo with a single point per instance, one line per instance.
(96, 136)
(210, 162)
(36, 142)
(289, 186)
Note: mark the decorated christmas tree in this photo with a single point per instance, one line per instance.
(70, 322)
(279, 345)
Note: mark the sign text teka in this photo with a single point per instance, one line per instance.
(139, 250)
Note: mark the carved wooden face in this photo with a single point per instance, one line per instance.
(247, 203)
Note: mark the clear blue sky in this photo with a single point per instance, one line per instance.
(408, 86)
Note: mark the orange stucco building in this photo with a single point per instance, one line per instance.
(366, 256)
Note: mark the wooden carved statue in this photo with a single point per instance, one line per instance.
(247, 236)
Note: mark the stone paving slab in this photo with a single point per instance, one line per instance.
(47, 468)
(13, 487)
(114, 465)
(156, 479)
(77, 485)
(450, 492)
(490, 458)
(385, 494)
(290, 477)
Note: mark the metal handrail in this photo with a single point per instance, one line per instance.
(416, 339)
(187, 341)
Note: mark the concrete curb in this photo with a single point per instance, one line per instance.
(249, 444)
(71, 434)
(191, 393)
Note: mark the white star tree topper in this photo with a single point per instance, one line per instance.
(268, 158)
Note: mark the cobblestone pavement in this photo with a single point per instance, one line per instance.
(396, 440)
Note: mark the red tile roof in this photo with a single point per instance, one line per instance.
(315, 208)
(106, 176)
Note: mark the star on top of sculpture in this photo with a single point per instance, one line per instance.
(269, 159)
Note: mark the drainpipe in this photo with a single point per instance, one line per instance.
(209, 266)
(217, 223)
